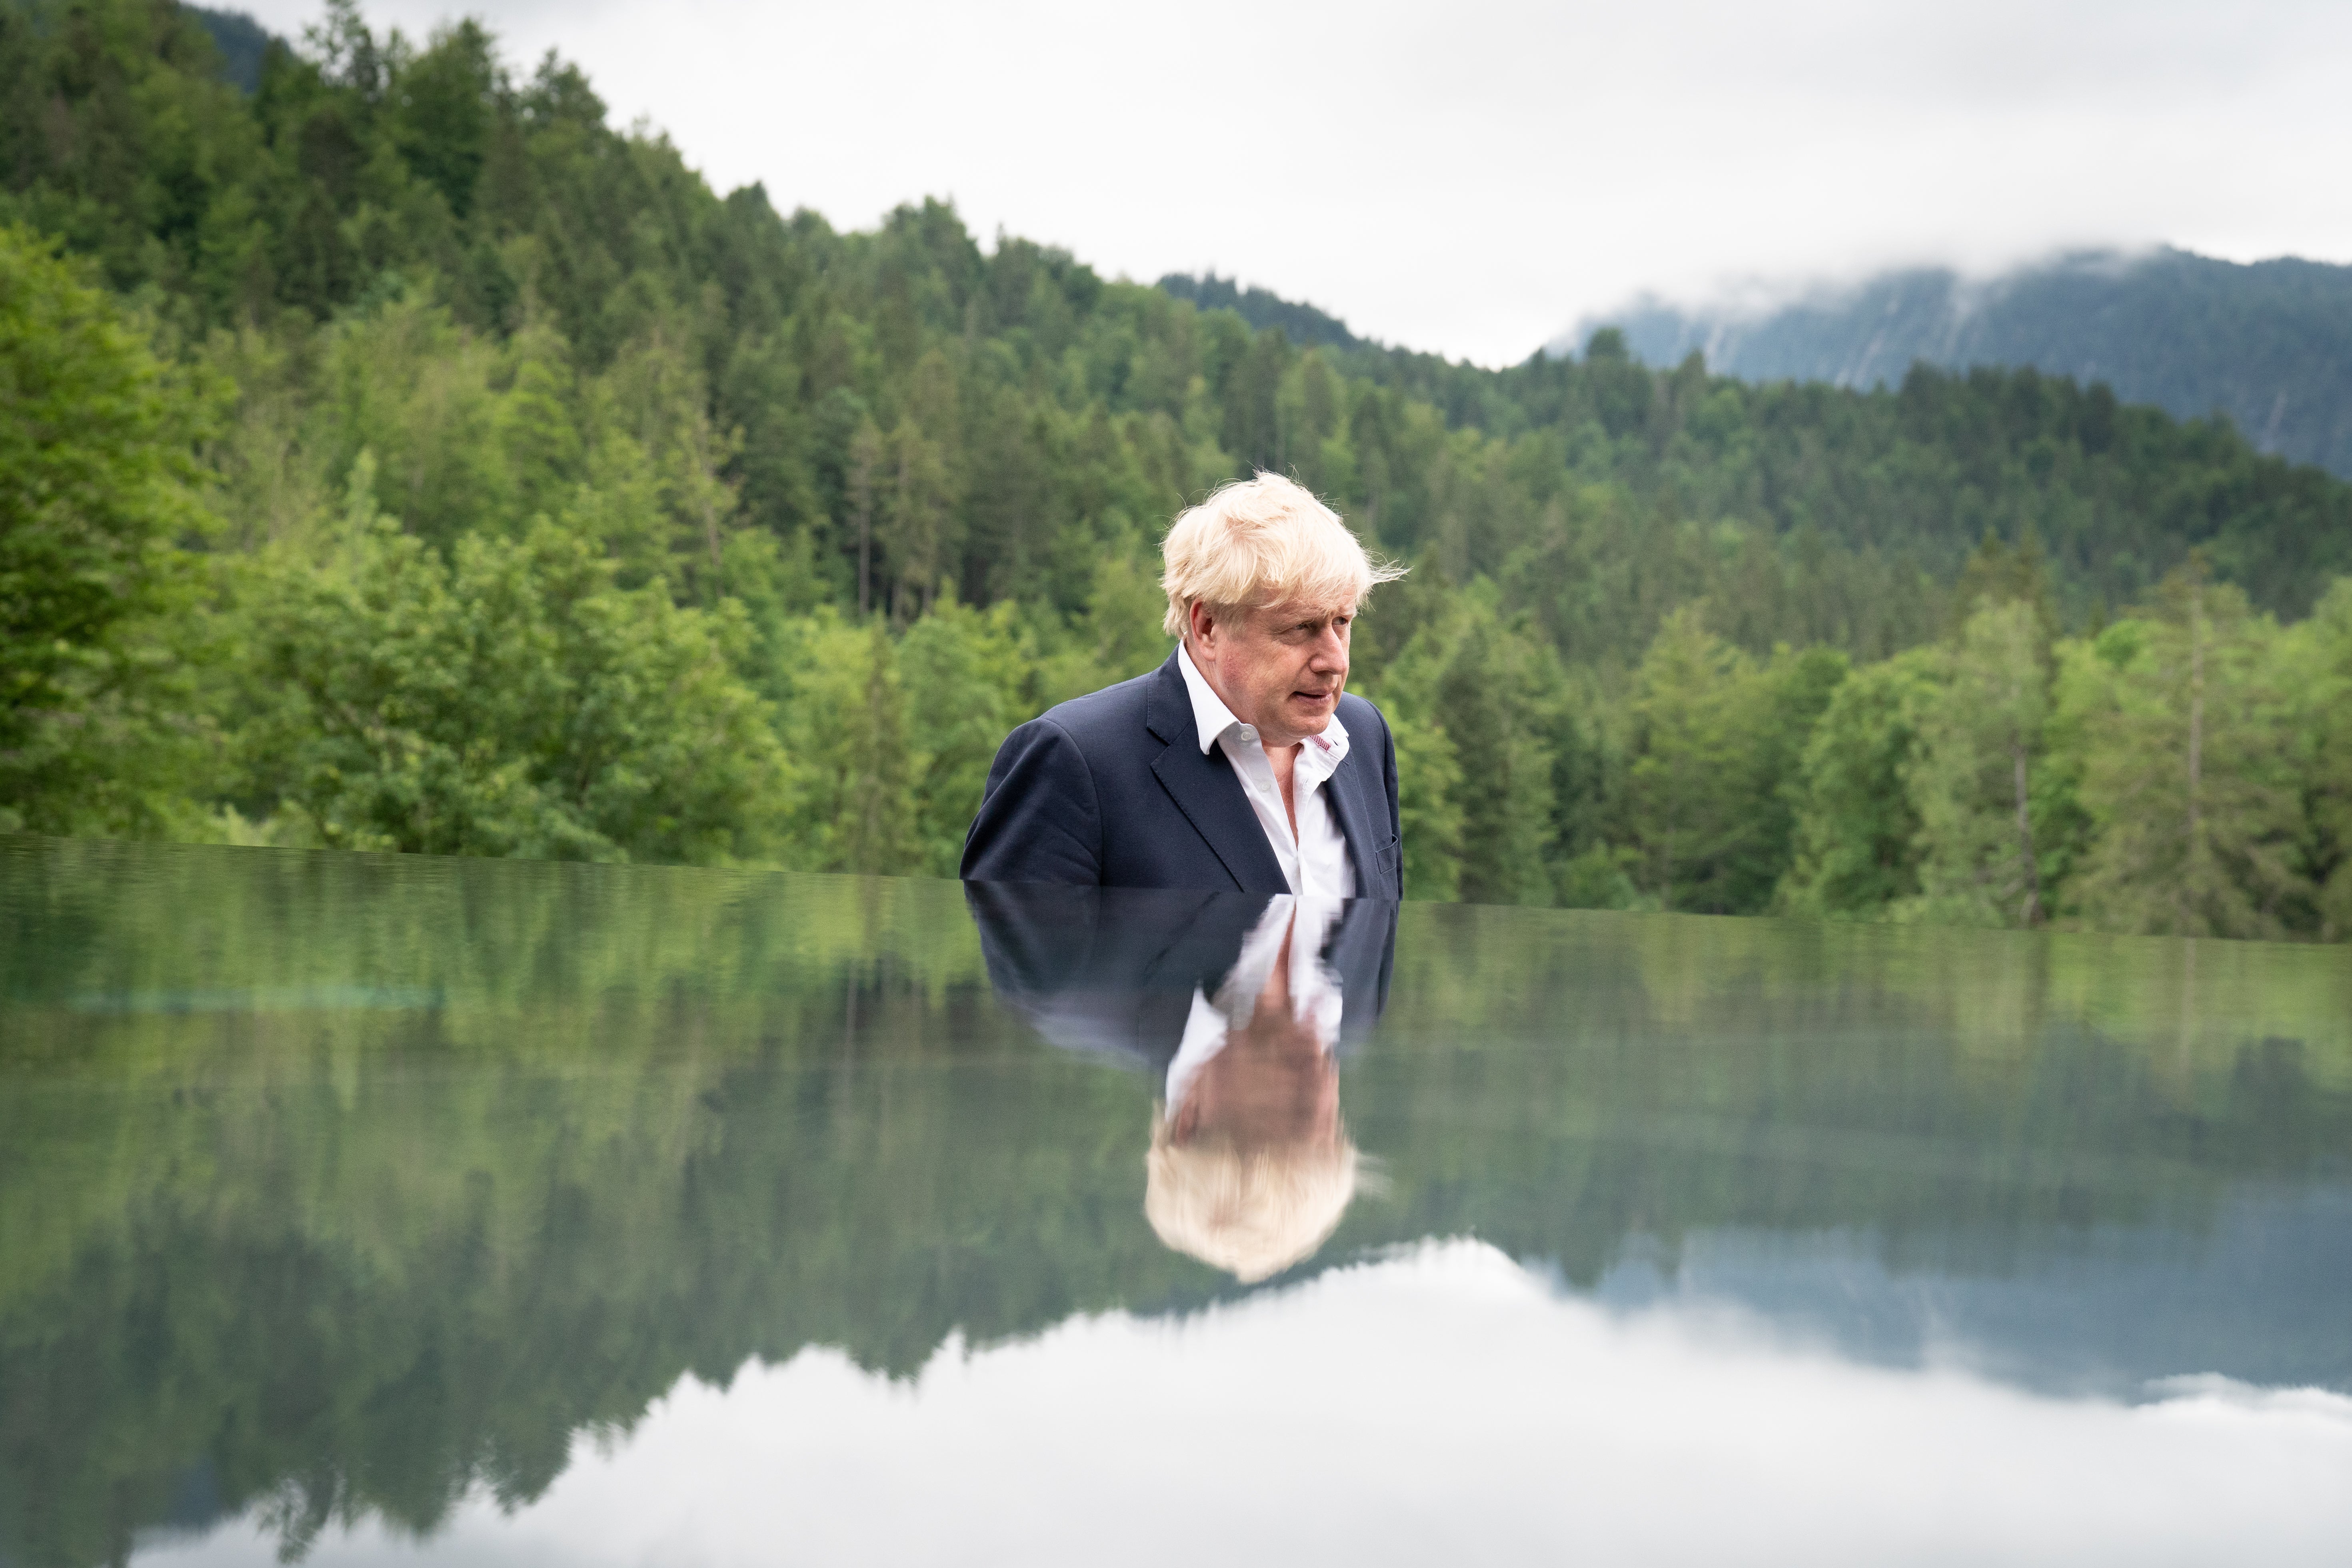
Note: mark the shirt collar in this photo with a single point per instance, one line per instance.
(1315, 992)
(1212, 718)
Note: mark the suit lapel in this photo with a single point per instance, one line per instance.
(1204, 788)
(1356, 819)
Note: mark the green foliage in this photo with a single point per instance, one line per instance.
(96, 496)
(511, 701)
(2319, 666)
(1488, 696)
(960, 668)
(1974, 762)
(2186, 769)
(1856, 849)
(800, 523)
(1715, 741)
(1429, 789)
(848, 735)
(2179, 772)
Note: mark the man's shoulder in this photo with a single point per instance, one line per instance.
(1114, 713)
(1361, 717)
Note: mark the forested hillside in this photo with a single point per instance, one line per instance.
(2267, 343)
(410, 460)
(1302, 325)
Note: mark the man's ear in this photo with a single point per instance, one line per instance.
(1202, 625)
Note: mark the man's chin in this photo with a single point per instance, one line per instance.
(1315, 709)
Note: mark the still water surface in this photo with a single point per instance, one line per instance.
(378, 1210)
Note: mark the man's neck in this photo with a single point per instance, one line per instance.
(1283, 757)
(1207, 671)
(1285, 761)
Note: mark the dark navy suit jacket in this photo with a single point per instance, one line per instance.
(1113, 790)
(1112, 972)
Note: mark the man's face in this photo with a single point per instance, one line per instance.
(1280, 668)
(1272, 1084)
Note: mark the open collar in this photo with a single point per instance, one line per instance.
(1202, 784)
(1212, 718)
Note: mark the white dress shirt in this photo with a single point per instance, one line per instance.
(1314, 861)
(1315, 996)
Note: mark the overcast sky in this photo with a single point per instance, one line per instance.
(1473, 177)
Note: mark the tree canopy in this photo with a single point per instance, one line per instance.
(507, 451)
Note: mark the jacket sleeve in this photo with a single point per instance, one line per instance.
(1040, 819)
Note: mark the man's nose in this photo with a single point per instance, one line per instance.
(1330, 651)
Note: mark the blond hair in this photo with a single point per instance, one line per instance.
(1262, 541)
(1251, 1212)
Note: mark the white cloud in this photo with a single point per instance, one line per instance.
(1469, 178)
(1442, 1406)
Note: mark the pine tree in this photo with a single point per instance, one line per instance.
(2326, 697)
(1792, 691)
(849, 729)
(1971, 773)
(961, 669)
(864, 471)
(1688, 807)
(1856, 846)
(1429, 786)
(917, 518)
(1503, 789)
(2186, 769)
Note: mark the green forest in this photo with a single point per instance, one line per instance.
(400, 456)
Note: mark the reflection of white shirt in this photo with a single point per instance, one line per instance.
(1315, 995)
(1316, 860)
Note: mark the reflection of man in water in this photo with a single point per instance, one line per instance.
(1250, 1165)
(1236, 1003)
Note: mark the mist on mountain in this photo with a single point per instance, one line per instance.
(2267, 344)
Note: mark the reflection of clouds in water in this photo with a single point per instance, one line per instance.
(1440, 1406)
(2252, 1288)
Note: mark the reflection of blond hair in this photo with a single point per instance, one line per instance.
(1249, 1211)
(1261, 541)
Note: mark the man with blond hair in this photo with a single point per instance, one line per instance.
(1237, 1007)
(1241, 763)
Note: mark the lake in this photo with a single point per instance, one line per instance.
(370, 1209)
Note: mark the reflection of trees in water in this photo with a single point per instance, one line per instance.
(1946, 1089)
(347, 1258)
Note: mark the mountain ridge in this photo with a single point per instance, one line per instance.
(1308, 326)
(2267, 344)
